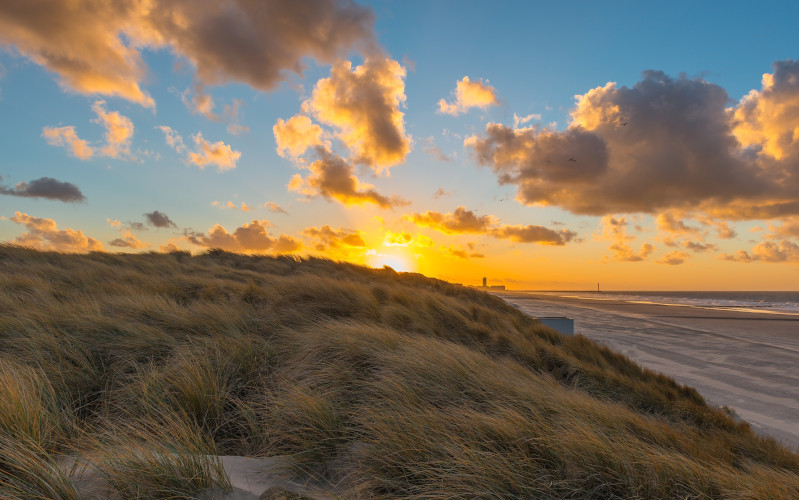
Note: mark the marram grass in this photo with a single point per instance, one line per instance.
(380, 384)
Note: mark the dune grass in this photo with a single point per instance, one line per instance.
(383, 384)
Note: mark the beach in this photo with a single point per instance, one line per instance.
(742, 359)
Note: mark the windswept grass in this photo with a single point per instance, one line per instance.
(383, 384)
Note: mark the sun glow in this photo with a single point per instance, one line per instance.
(391, 257)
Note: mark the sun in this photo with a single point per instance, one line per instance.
(393, 258)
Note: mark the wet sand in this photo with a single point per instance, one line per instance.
(744, 360)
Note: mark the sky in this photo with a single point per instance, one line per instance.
(543, 145)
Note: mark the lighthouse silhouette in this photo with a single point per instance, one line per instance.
(485, 280)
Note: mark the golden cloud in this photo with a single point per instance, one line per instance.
(469, 94)
(334, 239)
(251, 237)
(768, 251)
(332, 178)
(45, 235)
(363, 105)
(296, 135)
(118, 131)
(217, 153)
(67, 137)
(94, 48)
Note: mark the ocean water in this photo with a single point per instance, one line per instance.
(763, 302)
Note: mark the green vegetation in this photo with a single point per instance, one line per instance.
(383, 384)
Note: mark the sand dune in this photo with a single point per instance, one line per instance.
(746, 361)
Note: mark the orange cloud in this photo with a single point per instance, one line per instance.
(463, 221)
(469, 94)
(67, 137)
(768, 251)
(248, 238)
(673, 258)
(768, 119)
(128, 240)
(45, 235)
(334, 239)
(118, 131)
(457, 222)
(218, 153)
(274, 207)
(363, 105)
(296, 135)
(94, 48)
(332, 178)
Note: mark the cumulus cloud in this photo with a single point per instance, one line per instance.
(95, 48)
(673, 258)
(363, 105)
(328, 238)
(118, 136)
(534, 234)
(332, 178)
(159, 219)
(217, 153)
(45, 235)
(251, 237)
(768, 119)
(128, 240)
(118, 131)
(615, 229)
(767, 251)
(66, 137)
(463, 221)
(467, 95)
(458, 222)
(666, 143)
(46, 187)
(523, 120)
(296, 135)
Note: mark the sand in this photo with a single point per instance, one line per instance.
(746, 361)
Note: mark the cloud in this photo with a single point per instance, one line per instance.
(363, 105)
(45, 235)
(622, 252)
(118, 136)
(767, 251)
(699, 247)
(173, 139)
(128, 240)
(95, 48)
(46, 187)
(332, 178)
(201, 102)
(218, 153)
(664, 144)
(431, 149)
(249, 238)
(67, 137)
(669, 222)
(118, 131)
(334, 239)
(522, 120)
(469, 94)
(274, 208)
(673, 258)
(296, 135)
(463, 221)
(768, 119)
(462, 253)
(159, 219)
(441, 192)
(458, 222)
(534, 234)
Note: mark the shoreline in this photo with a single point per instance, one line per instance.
(744, 360)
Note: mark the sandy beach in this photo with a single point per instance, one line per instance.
(744, 360)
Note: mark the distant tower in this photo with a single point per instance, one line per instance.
(484, 282)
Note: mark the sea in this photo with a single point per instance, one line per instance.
(761, 302)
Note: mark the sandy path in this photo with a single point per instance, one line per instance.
(746, 361)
